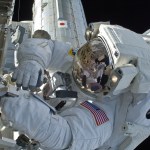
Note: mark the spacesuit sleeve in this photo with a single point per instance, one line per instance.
(62, 57)
(33, 117)
(39, 50)
(51, 54)
(75, 128)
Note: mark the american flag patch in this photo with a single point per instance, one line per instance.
(99, 115)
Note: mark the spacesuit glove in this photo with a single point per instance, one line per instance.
(34, 55)
(28, 74)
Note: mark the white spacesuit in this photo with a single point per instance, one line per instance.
(111, 76)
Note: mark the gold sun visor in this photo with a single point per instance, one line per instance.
(92, 67)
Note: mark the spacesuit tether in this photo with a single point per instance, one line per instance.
(99, 99)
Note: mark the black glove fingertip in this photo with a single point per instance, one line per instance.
(13, 80)
(18, 85)
(25, 88)
(32, 88)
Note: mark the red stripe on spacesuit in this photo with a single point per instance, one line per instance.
(99, 115)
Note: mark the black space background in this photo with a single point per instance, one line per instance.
(132, 14)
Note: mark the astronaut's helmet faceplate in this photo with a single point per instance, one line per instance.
(92, 67)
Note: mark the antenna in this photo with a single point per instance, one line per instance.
(18, 9)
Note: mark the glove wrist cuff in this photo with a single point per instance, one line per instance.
(32, 58)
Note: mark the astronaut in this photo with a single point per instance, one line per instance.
(109, 78)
